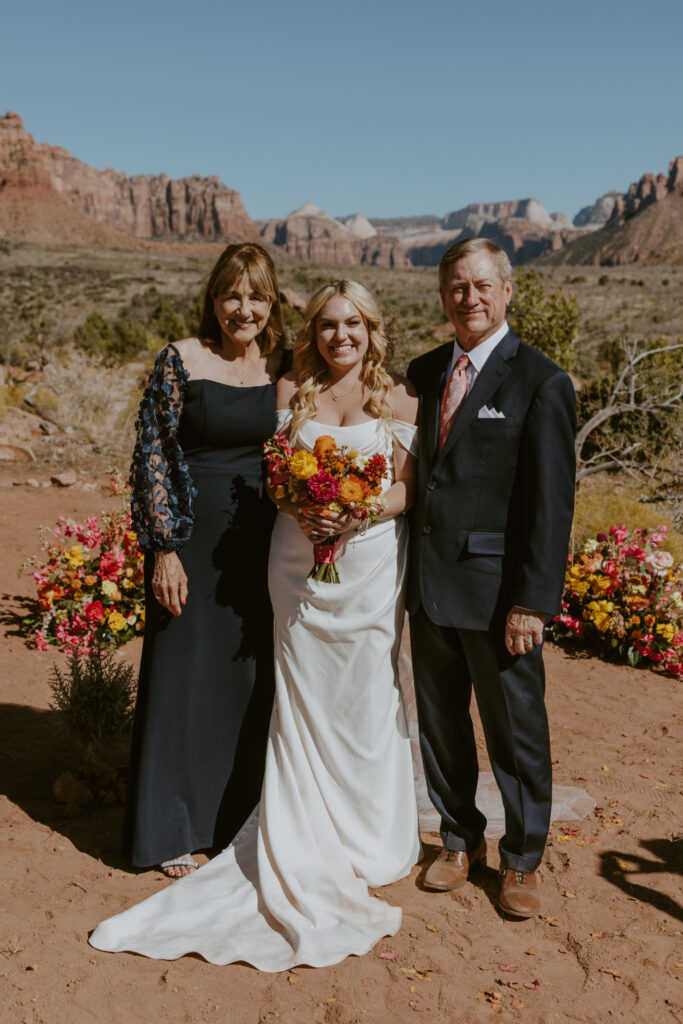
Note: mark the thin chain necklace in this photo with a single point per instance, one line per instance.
(242, 378)
(335, 398)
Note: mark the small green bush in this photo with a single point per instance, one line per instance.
(95, 697)
(546, 319)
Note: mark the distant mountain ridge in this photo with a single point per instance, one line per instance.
(645, 225)
(46, 194)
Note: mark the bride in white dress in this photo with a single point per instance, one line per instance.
(337, 811)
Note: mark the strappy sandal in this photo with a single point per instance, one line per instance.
(179, 862)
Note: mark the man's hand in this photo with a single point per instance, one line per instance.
(523, 630)
(169, 581)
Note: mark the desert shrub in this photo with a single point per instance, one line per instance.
(96, 397)
(546, 319)
(167, 323)
(95, 335)
(95, 696)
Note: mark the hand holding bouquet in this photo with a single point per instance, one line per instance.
(328, 480)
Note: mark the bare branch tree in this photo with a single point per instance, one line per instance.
(628, 395)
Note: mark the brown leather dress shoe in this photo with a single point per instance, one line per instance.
(519, 894)
(452, 867)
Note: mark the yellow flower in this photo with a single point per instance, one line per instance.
(303, 465)
(116, 622)
(600, 614)
(665, 630)
(128, 584)
(131, 535)
(109, 588)
(600, 584)
(74, 556)
(129, 572)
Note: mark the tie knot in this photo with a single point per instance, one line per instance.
(463, 362)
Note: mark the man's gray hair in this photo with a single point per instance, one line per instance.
(470, 245)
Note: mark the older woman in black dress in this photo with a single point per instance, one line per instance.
(206, 679)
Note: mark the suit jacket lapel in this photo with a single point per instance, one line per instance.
(432, 398)
(495, 370)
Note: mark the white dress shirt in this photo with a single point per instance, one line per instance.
(478, 355)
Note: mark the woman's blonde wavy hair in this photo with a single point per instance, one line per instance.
(311, 369)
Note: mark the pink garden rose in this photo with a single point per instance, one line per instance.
(660, 560)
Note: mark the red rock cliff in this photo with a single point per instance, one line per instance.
(145, 206)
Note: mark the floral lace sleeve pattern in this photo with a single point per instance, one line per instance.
(162, 489)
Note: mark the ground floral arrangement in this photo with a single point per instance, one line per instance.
(623, 599)
(90, 582)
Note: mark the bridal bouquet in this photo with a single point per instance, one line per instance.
(328, 479)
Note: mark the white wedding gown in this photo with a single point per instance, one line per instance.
(338, 810)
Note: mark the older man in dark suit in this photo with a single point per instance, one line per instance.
(491, 526)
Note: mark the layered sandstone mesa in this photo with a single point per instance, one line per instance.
(309, 233)
(597, 215)
(144, 206)
(523, 227)
(645, 226)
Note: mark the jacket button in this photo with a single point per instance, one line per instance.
(427, 529)
(431, 486)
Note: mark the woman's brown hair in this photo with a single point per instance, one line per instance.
(251, 259)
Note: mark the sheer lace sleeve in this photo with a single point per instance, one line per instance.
(162, 489)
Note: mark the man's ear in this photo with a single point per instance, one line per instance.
(508, 293)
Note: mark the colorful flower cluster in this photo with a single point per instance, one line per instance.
(90, 583)
(328, 479)
(623, 596)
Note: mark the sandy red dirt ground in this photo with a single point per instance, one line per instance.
(608, 948)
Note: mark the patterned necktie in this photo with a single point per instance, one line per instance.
(456, 389)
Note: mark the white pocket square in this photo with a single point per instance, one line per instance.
(489, 414)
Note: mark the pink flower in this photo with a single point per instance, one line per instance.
(41, 641)
(620, 533)
(677, 640)
(110, 565)
(322, 487)
(660, 560)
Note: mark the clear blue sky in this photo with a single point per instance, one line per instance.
(386, 108)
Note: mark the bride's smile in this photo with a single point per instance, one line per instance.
(341, 335)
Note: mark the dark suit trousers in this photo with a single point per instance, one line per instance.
(509, 690)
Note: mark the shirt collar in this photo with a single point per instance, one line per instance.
(482, 351)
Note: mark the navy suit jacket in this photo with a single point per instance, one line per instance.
(493, 511)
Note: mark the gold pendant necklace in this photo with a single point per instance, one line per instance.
(335, 398)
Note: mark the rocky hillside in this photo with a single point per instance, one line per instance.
(311, 234)
(645, 225)
(523, 227)
(40, 184)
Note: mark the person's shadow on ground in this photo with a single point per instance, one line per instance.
(34, 751)
(621, 868)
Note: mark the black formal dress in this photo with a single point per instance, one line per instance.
(206, 679)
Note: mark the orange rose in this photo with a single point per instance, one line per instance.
(649, 620)
(324, 446)
(635, 602)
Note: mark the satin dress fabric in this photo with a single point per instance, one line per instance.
(338, 811)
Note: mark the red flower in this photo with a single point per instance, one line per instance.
(110, 565)
(94, 611)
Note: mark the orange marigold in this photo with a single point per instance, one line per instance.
(352, 488)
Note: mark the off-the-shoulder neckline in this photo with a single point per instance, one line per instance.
(351, 426)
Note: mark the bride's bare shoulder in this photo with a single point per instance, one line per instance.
(403, 399)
